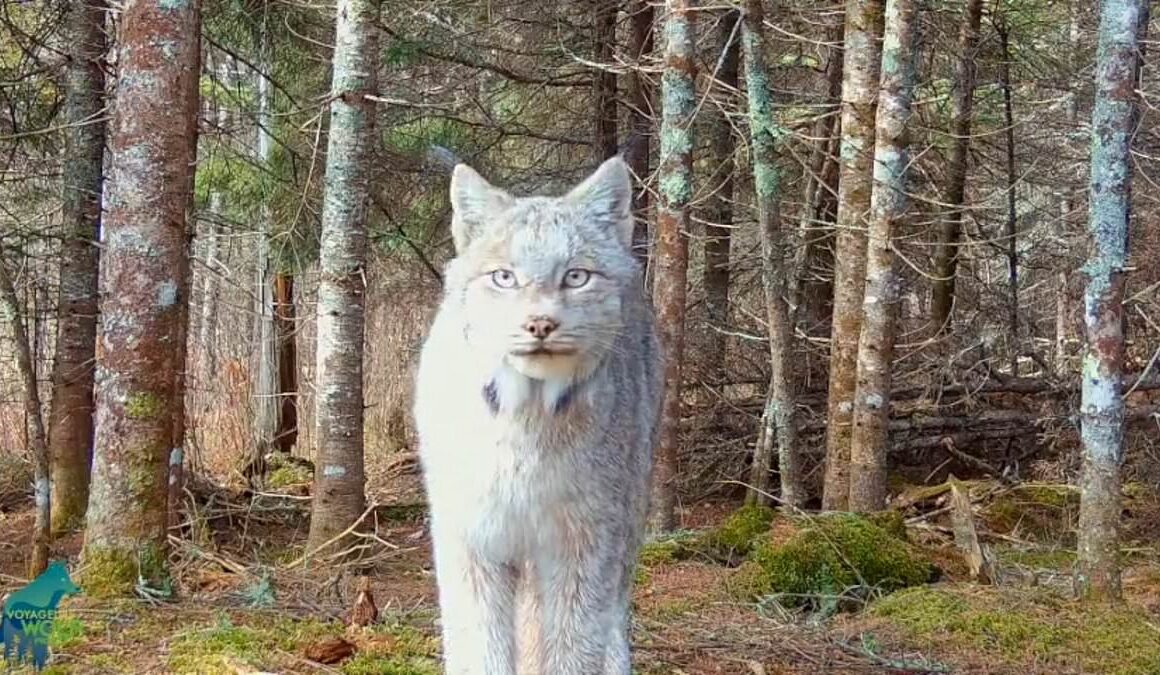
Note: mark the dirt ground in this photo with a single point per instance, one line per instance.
(246, 602)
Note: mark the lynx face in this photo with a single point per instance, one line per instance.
(540, 279)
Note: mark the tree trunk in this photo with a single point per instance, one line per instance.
(678, 92)
(37, 443)
(286, 324)
(339, 497)
(604, 80)
(719, 216)
(1010, 231)
(70, 426)
(1069, 196)
(1102, 406)
(149, 198)
(778, 417)
(636, 152)
(265, 391)
(813, 285)
(946, 257)
(888, 205)
(862, 56)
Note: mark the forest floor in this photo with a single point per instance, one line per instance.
(247, 603)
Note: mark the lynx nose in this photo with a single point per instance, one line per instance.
(541, 326)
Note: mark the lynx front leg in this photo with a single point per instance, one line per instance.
(578, 613)
(476, 604)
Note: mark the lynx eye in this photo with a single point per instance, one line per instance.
(503, 278)
(575, 278)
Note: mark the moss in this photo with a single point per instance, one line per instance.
(890, 520)
(288, 475)
(211, 649)
(369, 664)
(1045, 513)
(114, 572)
(829, 556)
(110, 663)
(67, 632)
(736, 536)
(1013, 629)
(144, 405)
(1059, 559)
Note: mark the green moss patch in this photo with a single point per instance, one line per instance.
(263, 644)
(737, 535)
(1025, 631)
(829, 557)
(1040, 512)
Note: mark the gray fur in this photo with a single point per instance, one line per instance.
(537, 466)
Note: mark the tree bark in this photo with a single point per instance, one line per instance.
(265, 391)
(678, 94)
(862, 56)
(1010, 229)
(778, 418)
(640, 113)
(149, 198)
(37, 443)
(1102, 406)
(888, 205)
(813, 286)
(719, 215)
(946, 258)
(287, 330)
(339, 480)
(70, 425)
(603, 80)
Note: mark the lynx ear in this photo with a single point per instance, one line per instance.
(606, 198)
(473, 202)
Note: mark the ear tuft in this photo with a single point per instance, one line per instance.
(473, 202)
(606, 197)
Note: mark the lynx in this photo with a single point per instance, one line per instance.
(537, 398)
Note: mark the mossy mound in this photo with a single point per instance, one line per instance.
(1040, 512)
(15, 482)
(824, 558)
(741, 530)
(728, 543)
(1019, 630)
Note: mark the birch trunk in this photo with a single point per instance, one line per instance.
(946, 257)
(265, 392)
(863, 51)
(149, 197)
(888, 205)
(679, 101)
(70, 425)
(339, 479)
(1109, 210)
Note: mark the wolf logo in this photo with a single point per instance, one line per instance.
(29, 612)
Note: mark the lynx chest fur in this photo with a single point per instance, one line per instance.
(536, 405)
